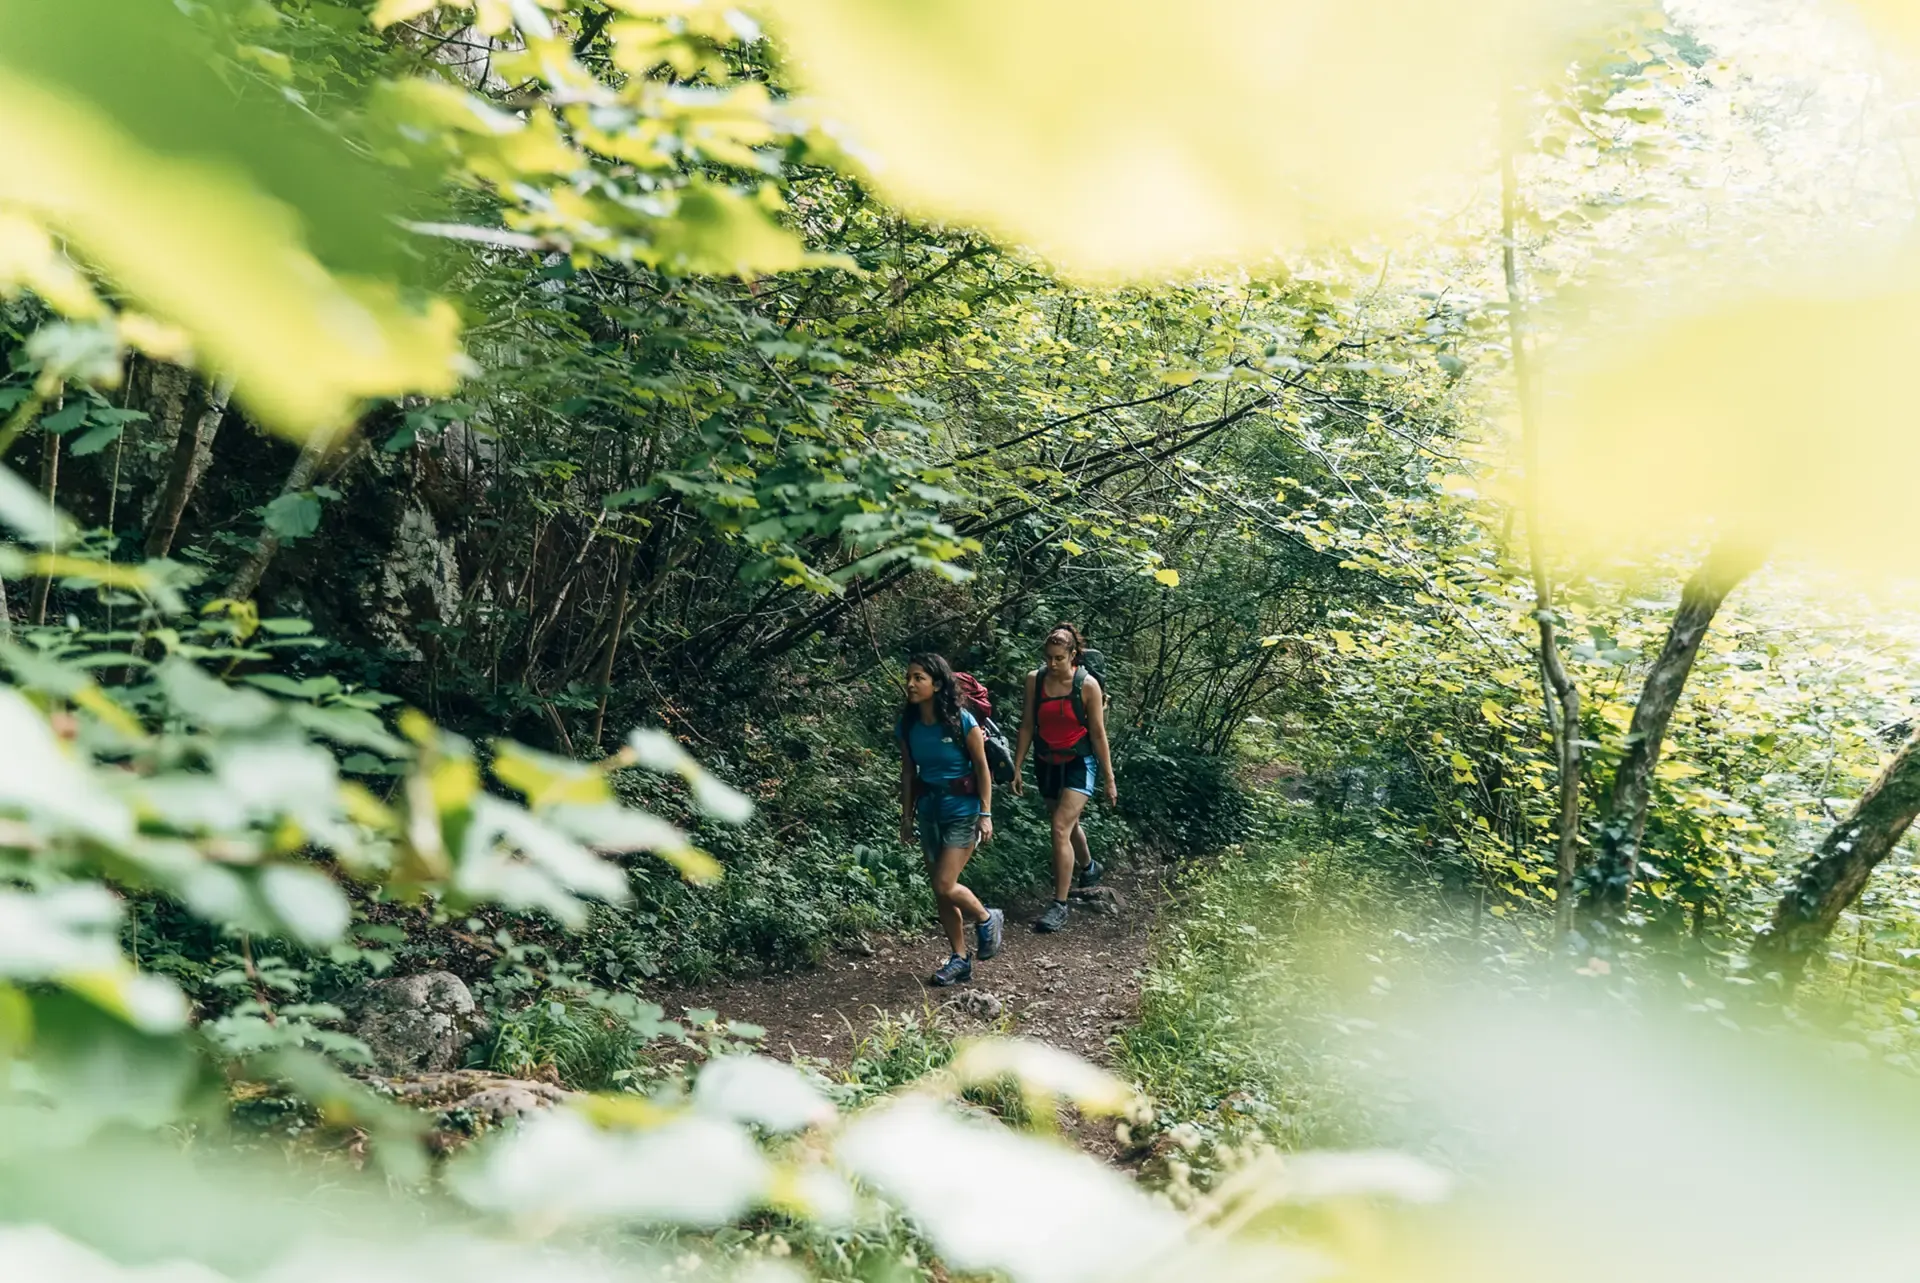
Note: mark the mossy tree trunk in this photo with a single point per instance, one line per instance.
(1623, 816)
(1823, 887)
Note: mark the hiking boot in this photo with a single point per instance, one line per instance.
(1053, 919)
(952, 972)
(988, 935)
(1092, 873)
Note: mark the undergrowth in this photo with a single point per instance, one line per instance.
(1272, 958)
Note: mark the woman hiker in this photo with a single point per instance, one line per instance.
(946, 795)
(1067, 709)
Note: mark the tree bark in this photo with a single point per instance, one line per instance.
(616, 626)
(1624, 815)
(1562, 695)
(1834, 877)
(198, 424)
(246, 580)
(537, 636)
(50, 487)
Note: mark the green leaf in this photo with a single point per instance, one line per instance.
(60, 930)
(308, 902)
(630, 498)
(353, 727)
(280, 684)
(27, 511)
(64, 421)
(209, 702)
(293, 516)
(97, 438)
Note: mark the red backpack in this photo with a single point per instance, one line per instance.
(973, 696)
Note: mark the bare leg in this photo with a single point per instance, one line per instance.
(1066, 819)
(958, 906)
(1082, 853)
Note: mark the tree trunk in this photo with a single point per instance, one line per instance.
(1562, 695)
(191, 449)
(1624, 815)
(617, 625)
(50, 487)
(537, 636)
(246, 580)
(1825, 885)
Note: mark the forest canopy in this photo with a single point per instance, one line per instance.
(473, 475)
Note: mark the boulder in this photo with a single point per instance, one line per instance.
(512, 1098)
(486, 1097)
(416, 1024)
(1098, 899)
(975, 1004)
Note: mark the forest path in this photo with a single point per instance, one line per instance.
(1075, 988)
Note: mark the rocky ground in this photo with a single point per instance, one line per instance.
(1075, 988)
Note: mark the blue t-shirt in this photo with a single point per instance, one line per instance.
(940, 760)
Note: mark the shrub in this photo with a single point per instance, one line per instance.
(1181, 799)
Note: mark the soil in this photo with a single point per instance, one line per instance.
(1075, 988)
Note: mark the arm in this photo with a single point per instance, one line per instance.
(983, 779)
(1096, 702)
(906, 796)
(1026, 736)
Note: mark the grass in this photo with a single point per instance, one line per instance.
(1241, 1026)
(565, 1039)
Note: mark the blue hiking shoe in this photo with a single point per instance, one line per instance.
(1053, 919)
(1092, 873)
(989, 935)
(952, 972)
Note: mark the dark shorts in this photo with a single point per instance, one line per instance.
(1076, 774)
(936, 834)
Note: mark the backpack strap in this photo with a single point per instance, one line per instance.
(915, 787)
(1079, 700)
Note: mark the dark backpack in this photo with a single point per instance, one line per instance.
(1094, 664)
(974, 698)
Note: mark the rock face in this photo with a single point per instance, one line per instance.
(419, 582)
(416, 1024)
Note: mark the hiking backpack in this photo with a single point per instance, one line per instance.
(974, 699)
(1092, 664)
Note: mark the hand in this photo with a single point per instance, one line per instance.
(1019, 785)
(907, 835)
(986, 828)
(1113, 793)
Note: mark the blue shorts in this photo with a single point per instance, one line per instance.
(936, 834)
(1075, 775)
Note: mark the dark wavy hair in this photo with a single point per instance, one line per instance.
(1069, 636)
(946, 697)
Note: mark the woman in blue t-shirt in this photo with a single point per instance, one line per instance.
(946, 799)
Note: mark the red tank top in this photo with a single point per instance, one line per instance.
(1059, 728)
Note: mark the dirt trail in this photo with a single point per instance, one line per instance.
(1075, 988)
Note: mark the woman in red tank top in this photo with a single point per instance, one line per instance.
(1066, 710)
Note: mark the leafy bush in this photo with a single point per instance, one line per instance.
(1180, 799)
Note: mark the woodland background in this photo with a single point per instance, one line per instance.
(1498, 549)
